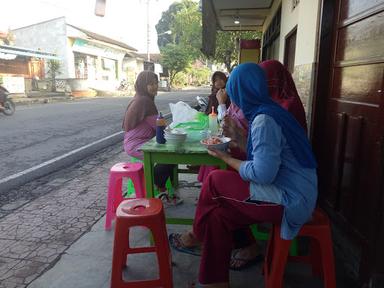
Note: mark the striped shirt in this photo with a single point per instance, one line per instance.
(136, 137)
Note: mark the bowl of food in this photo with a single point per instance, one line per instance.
(216, 142)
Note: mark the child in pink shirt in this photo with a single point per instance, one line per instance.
(140, 126)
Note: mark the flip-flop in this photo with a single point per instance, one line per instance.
(246, 262)
(177, 244)
(195, 285)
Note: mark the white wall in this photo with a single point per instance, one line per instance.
(305, 16)
(307, 30)
(49, 36)
(289, 19)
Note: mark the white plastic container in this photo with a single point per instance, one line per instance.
(213, 124)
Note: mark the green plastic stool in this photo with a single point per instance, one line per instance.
(259, 235)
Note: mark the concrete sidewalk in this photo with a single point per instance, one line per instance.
(54, 236)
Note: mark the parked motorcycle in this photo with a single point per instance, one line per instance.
(124, 85)
(6, 104)
(202, 103)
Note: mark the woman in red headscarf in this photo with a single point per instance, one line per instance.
(283, 91)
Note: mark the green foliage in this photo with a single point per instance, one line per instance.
(187, 28)
(180, 80)
(54, 67)
(180, 48)
(227, 46)
(199, 76)
(175, 58)
(192, 76)
(183, 19)
(165, 24)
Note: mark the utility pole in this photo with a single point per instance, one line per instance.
(148, 33)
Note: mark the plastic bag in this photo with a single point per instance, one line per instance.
(182, 112)
(199, 123)
(195, 128)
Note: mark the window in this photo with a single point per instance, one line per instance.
(271, 38)
(109, 67)
(81, 71)
(85, 66)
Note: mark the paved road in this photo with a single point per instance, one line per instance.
(38, 133)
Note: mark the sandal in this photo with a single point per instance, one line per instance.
(195, 285)
(245, 263)
(175, 200)
(177, 244)
(168, 201)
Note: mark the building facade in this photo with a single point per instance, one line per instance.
(18, 66)
(88, 59)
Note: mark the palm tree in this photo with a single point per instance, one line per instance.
(54, 67)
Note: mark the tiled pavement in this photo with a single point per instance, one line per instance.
(49, 239)
(49, 216)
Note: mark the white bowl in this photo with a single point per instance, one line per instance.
(223, 146)
(175, 132)
(175, 141)
(176, 137)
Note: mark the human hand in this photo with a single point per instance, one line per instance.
(237, 134)
(218, 154)
(221, 96)
(229, 127)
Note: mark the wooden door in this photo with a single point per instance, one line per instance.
(290, 50)
(349, 125)
(36, 68)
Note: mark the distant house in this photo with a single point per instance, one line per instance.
(88, 59)
(19, 65)
(154, 65)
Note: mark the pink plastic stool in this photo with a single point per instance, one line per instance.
(135, 172)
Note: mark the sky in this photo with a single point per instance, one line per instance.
(124, 20)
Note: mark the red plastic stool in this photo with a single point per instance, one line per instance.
(135, 172)
(148, 213)
(320, 256)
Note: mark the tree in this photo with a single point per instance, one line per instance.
(227, 47)
(174, 58)
(187, 28)
(54, 67)
(169, 18)
(183, 19)
(165, 24)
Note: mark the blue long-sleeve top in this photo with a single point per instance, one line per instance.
(276, 176)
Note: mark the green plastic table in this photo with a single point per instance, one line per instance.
(188, 153)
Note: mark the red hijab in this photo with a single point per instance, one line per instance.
(283, 91)
(142, 104)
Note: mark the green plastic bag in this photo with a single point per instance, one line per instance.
(200, 123)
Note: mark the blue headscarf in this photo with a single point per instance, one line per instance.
(247, 88)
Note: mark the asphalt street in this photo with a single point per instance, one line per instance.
(39, 133)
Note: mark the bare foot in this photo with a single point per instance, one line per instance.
(243, 256)
(189, 239)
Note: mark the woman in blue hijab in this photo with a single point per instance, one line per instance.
(277, 183)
